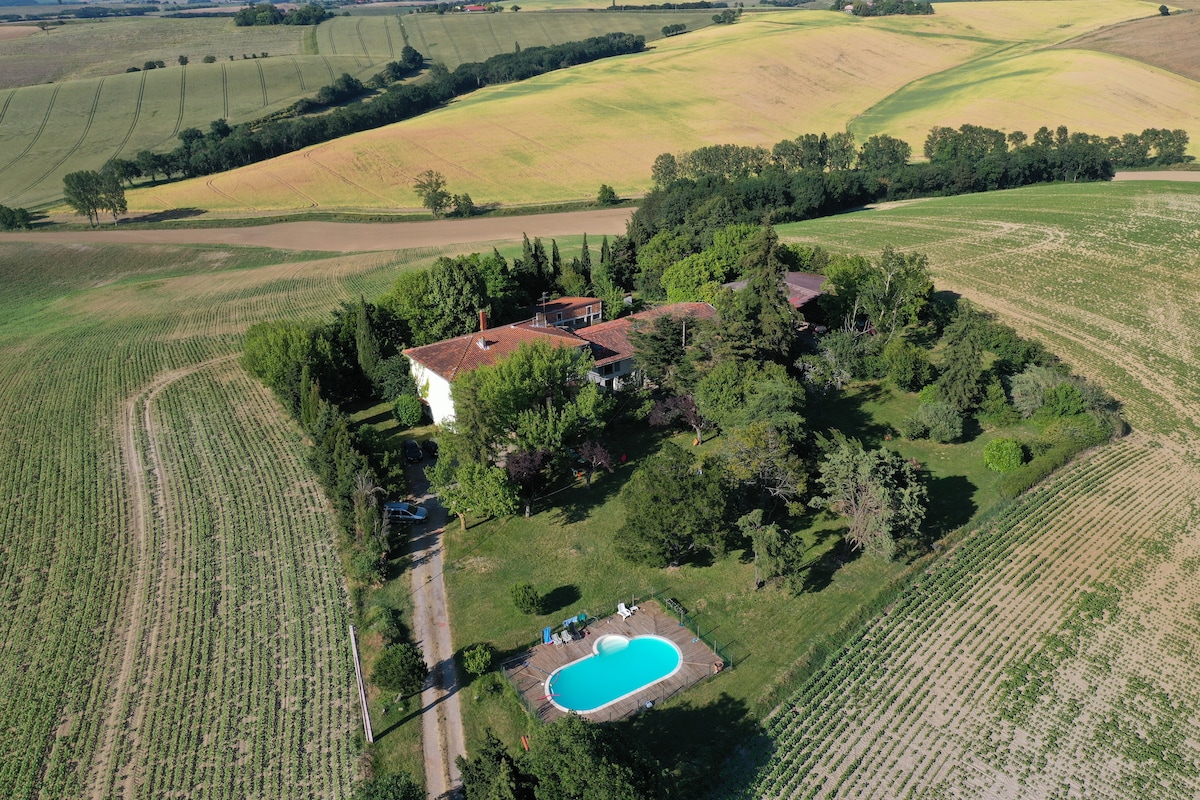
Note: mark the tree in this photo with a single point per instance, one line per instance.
(1164, 11)
(763, 458)
(607, 196)
(478, 659)
(572, 759)
(112, 195)
(493, 774)
(682, 408)
(526, 598)
(401, 668)
(471, 487)
(776, 551)
(596, 456)
(431, 188)
(409, 410)
(82, 192)
(1003, 455)
(673, 506)
(399, 786)
(456, 293)
(908, 365)
(183, 61)
(527, 470)
(880, 492)
(962, 366)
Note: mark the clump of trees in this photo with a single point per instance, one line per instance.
(267, 14)
(12, 219)
(673, 30)
(704, 190)
(884, 8)
(90, 192)
(568, 759)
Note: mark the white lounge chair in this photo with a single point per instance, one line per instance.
(566, 636)
(558, 642)
(623, 611)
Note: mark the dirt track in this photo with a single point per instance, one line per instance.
(354, 237)
(1160, 175)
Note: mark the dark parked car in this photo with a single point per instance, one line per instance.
(430, 446)
(412, 451)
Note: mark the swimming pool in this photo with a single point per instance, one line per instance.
(619, 667)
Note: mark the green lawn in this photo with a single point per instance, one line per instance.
(566, 551)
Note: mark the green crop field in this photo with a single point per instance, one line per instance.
(1051, 653)
(97, 49)
(174, 611)
(50, 130)
(771, 76)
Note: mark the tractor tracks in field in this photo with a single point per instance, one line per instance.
(145, 479)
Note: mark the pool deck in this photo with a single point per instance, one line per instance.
(530, 671)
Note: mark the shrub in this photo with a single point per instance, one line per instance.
(1063, 400)
(209, 59)
(940, 422)
(607, 196)
(478, 659)
(401, 668)
(409, 410)
(1003, 455)
(994, 409)
(526, 598)
(907, 365)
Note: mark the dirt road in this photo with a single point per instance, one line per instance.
(1159, 175)
(354, 237)
(441, 717)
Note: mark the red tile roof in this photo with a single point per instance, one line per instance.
(450, 357)
(801, 287)
(569, 307)
(610, 340)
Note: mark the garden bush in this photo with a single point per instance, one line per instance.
(526, 598)
(1003, 455)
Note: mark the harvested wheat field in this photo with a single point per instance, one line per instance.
(558, 137)
(1050, 654)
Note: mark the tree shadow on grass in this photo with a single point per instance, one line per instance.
(165, 216)
(846, 413)
(819, 571)
(560, 598)
(710, 750)
(951, 505)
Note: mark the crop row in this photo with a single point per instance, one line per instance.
(920, 685)
(239, 681)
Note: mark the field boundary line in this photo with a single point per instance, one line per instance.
(87, 127)
(38, 135)
(138, 464)
(137, 112)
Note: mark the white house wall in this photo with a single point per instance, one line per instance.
(435, 391)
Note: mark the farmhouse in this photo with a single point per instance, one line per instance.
(565, 323)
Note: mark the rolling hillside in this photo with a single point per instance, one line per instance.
(769, 77)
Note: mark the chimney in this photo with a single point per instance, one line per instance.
(482, 321)
(481, 343)
(539, 319)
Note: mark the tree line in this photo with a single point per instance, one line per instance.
(702, 191)
(226, 147)
(267, 14)
(885, 8)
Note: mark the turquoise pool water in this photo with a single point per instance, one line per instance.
(618, 668)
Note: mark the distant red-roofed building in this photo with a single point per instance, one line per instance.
(474, 8)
